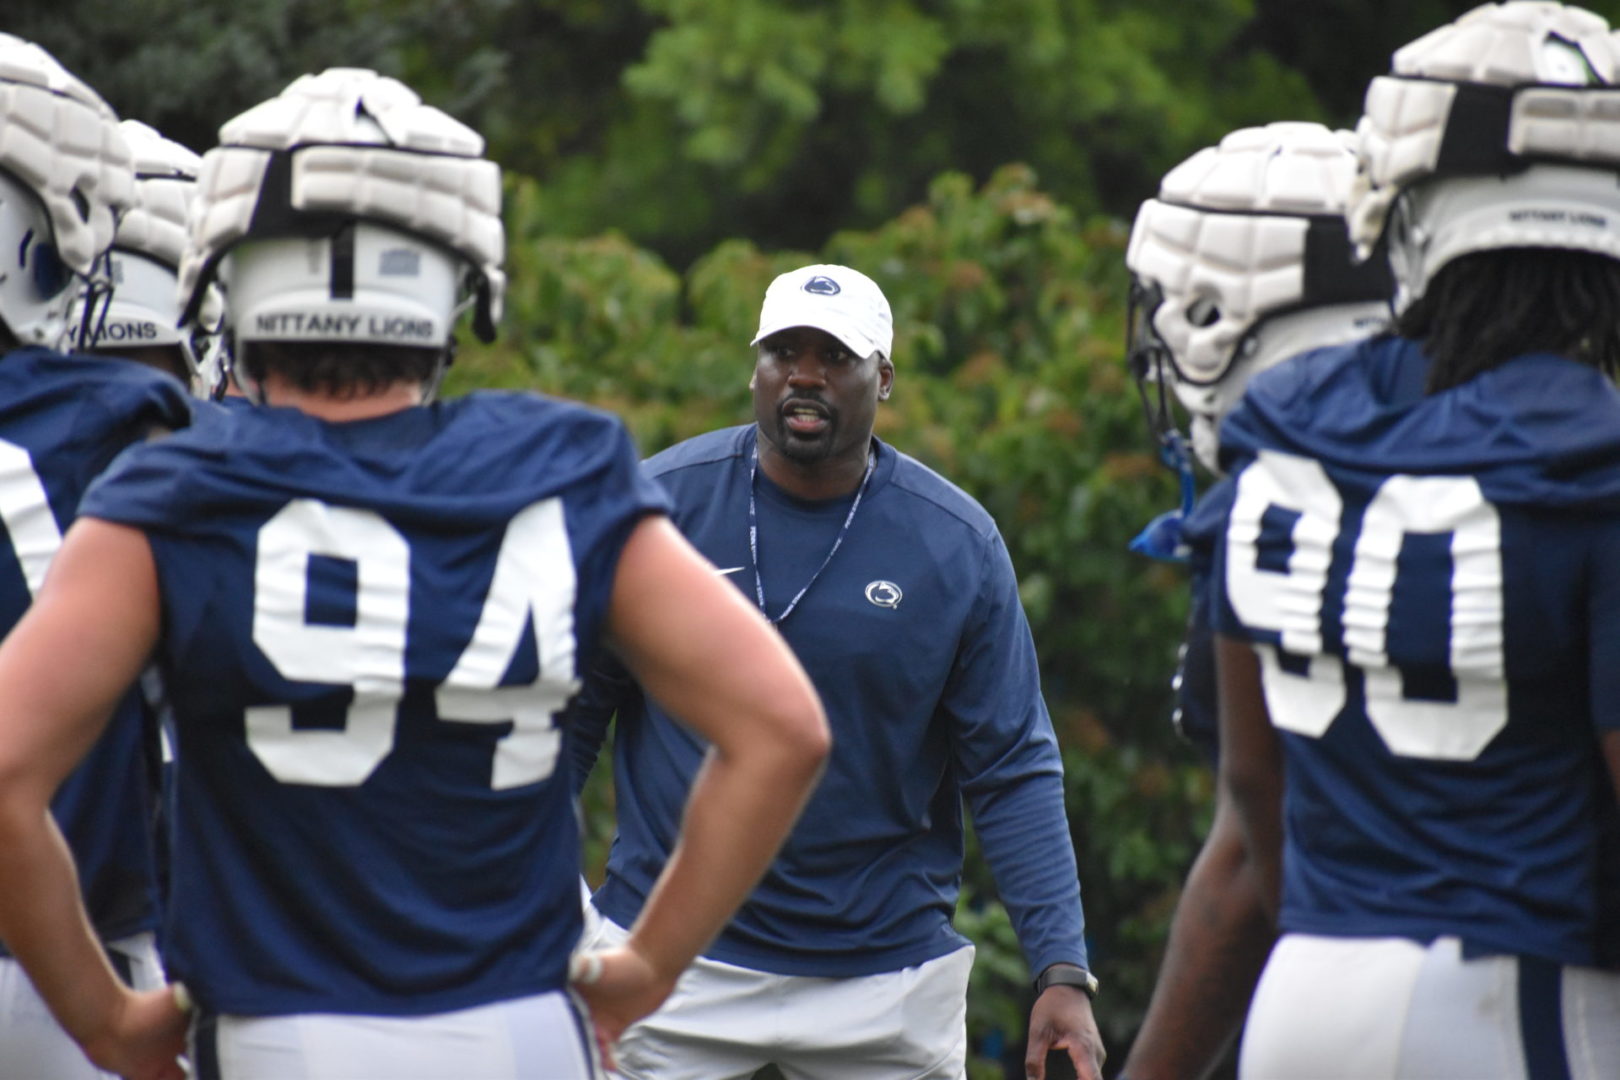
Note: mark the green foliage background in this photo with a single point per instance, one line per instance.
(980, 158)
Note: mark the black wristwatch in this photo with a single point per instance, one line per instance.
(1067, 975)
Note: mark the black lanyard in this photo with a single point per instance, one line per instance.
(753, 535)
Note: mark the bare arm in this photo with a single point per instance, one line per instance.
(1251, 772)
(697, 646)
(1224, 923)
(65, 666)
(1219, 939)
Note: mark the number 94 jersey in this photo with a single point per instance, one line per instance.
(369, 629)
(1432, 584)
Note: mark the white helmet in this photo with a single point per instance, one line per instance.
(1241, 262)
(64, 176)
(144, 309)
(1499, 130)
(346, 210)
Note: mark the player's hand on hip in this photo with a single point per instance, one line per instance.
(619, 986)
(1061, 1019)
(145, 1038)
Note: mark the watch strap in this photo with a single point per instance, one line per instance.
(1067, 975)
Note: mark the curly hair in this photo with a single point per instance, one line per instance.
(342, 371)
(1486, 308)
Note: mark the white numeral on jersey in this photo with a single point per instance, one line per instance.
(1290, 603)
(534, 575)
(26, 511)
(533, 579)
(369, 656)
(1436, 504)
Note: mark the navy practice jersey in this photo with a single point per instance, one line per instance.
(915, 639)
(62, 420)
(368, 631)
(1433, 586)
(1196, 705)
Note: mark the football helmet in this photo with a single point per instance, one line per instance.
(346, 210)
(144, 308)
(1499, 130)
(1242, 261)
(65, 175)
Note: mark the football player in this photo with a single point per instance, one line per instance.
(369, 610)
(1418, 590)
(1241, 262)
(65, 174)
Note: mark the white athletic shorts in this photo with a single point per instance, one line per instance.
(32, 1045)
(544, 1037)
(1385, 1008)
(725, 1022)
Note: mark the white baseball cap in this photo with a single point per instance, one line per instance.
(844, 302)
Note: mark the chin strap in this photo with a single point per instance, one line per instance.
(1162, 538)
(430, 389)
(98, 295)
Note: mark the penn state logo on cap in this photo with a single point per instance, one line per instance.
(838, 299)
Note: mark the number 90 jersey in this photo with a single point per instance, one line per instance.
(1432, 584)
(369, 629)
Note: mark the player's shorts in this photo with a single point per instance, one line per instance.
(541, 1036)
(1383, 1008)
(32, 1044)
(725, 1022)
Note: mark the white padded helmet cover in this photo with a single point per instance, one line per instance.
(165, 187)
(364, 147)
(62, 141)
(1560, 64)
(1225, 240)
(60, 144)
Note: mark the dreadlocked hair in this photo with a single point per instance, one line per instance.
(1485, 308)
(344, 371)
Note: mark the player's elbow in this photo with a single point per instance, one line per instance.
(789, 739)
(1250, 790)
(805, 740)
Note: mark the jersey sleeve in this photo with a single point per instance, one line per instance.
(124, 405)
(1012, 772)
(143, 487)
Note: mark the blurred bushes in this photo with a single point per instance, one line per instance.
(1010, 382)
